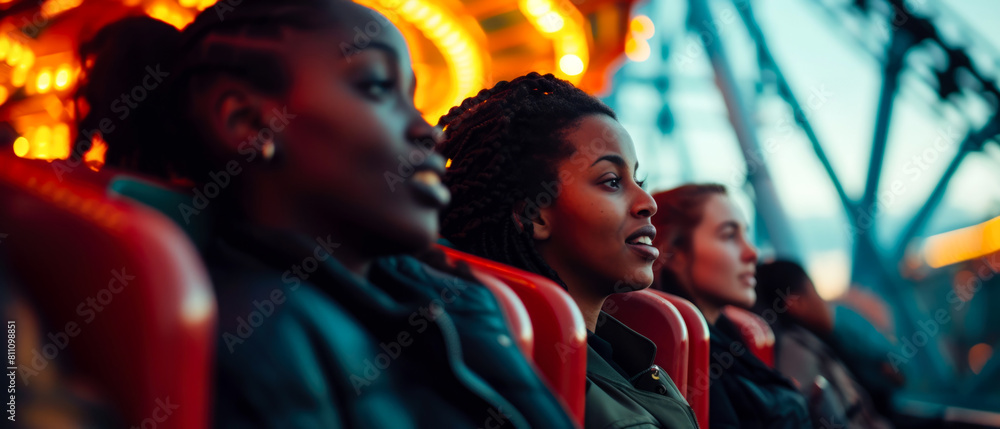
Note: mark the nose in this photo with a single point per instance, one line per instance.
(421, 133)
(644, 205)
(750, 252)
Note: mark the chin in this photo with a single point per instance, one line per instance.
(638, 279)
(749, 300)
(411, 239)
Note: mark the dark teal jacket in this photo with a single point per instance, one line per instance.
(648, 398)
(744, 392)
(304, 343)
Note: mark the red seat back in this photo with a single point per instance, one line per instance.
(513, 309)
(123, 293)
(560, 351)
(657, 319)
(698, 381)
(756, 333)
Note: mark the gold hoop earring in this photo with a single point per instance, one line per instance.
(267, 149)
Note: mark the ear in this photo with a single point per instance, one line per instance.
(234, 111)
(796, 304)
(542, 224)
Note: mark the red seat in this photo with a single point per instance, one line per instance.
(560, 350)
(657, 319)
(698, 381)
(756, 333)
(122, 291)
(513, 309)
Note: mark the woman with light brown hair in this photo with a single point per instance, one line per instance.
(706, 257)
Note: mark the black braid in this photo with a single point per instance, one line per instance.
(158, 137)
(504, 143)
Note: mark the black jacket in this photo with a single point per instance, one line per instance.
(408, 347)
(744, 392)
(647, 398)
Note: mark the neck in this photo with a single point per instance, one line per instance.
(591, 310)
(710, 311)
(584, 294)
(264, 210)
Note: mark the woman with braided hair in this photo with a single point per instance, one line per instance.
(543, 178)
(294, 117)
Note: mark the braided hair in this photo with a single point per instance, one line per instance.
(505, 144)
(156, 134)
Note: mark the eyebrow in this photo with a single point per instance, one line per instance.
(616, 160)
(732, 223)
(383, 47)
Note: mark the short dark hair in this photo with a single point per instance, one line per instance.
(776, 280)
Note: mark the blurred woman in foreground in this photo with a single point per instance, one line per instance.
(288, 123)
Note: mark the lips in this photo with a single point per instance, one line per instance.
(426, 182)
(641, 242)
(749, 279)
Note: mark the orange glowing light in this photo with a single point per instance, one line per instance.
(447, 164)
(98, 147)
(642, 27)
(19, 76)
(962, 244)
(42, 139)
(3, 94)
(62, 77)
(14, 54)
(551, 22)
(27, 57)
(60, 140)
(21, 147)
(636, 49)
(44, 80)
(571, 64)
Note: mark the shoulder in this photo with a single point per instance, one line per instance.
(446, 289)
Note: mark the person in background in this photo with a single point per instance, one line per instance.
(707, 258)
(543, 178)
(324, 321)
(802, 323)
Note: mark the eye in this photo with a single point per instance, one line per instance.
(641, 183)
(376, 88)
(613, 183)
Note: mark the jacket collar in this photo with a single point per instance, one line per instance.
(633, 352)
(283, 250)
